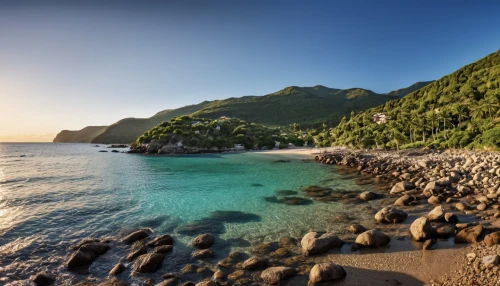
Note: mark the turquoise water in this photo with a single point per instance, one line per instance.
(54, 195)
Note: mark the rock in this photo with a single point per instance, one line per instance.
(206, 283)
(461, 206)
(134, 253)
(148, 262)
(373, 238)
(316, 242)
(273, 275)
(357, 228)
(433, 200)
(451, 218)
(202, 253)
(168, 282)
(436, 214)
(324, 272)
(163, 249)
(471, 256)
(433, 187)
(390, 215)
(492, 238)
(44, 279)
(368, 196)
(401, 187)
(491, 260)
(254, 263)
(203, 241)
(445, 231)
(113, 282)
(135, 236)
(469, 235)
(86, 254)
(219, 275)
(119, 268)
(427, 244)
(421, 229)
(189, 268)
(481, 207)
(161, 240)
(405, 200)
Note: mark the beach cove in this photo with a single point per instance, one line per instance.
(262, 212)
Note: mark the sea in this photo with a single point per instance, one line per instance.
(55, 195)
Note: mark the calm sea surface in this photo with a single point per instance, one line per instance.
(54, 195)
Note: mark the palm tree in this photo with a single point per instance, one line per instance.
(461, 113)
(479, 111)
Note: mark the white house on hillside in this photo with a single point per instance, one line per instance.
(380, 118)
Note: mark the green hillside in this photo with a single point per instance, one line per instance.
(459, 110)
(207, 134)
(404, 91)
(306, 106)
(80, 136)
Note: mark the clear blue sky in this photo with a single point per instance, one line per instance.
(69, 64)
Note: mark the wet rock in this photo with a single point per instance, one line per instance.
(436, 214)
(202, 253)
(445, 231)
(492, 238)
(86, 254)
(203, 241)
(44, 279)
(233, 216)
(373, 238)
(390, 215)
(405, 200)
(287, 241)
(134, 253)
(421, 229)
(114, 282)
(286, 193)
(273, 275)
(316, 191)
(401, 187)
(357, 228)
(163, 249)
(135, 236)
(206, 283)
(254, 263)
(428, 244)
(219, 275)
(161, 240)
(451, 218)
(433, 200)
(324, 272)
(316, 243)
(368, 196)
(280, 253)
(187, 269)
(469, 235)
(117, 269)
(265, 248)
(148, 262)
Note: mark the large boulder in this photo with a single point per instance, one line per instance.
(421, 229)
(324, 272)
(86, 254)
(469, 235)
(402, 187)
(436, 214)
(273, 275)
(390, 215)
(135, 236)
(148, 262)
(203, 241)
(136, 252)
(254, 263)
(492, 238)
(373, 238)
(316, 242)
(44, 279)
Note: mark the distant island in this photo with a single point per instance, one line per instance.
(306, 106)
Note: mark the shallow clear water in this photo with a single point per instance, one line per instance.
(54, 195)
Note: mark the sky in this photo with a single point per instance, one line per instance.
(71, 64)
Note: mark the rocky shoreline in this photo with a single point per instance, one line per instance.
(455, 184)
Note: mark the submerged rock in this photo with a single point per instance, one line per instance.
(286, 193)
(316, 243)
(203, 241)
(135, 236)
(86, 254)
(117, 269)
(44, 279)
(161, 240)
(390, 215)
(254, 263)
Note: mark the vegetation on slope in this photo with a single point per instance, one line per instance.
(80, 136)
(220, 133)
(459, 110)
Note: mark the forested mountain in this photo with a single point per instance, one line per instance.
(461, 109)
